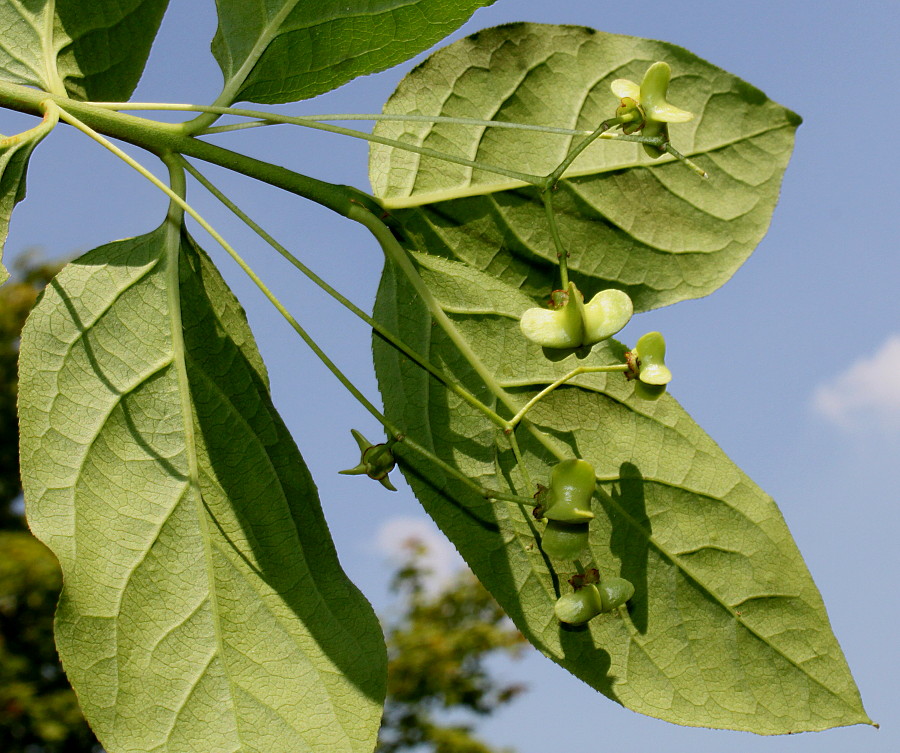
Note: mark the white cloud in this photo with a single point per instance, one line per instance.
(395, 535)
(867, 394)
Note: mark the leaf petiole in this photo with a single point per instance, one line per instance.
(511, 424)
(267, 118)
(35, 133)
(562, 254)
(553, 178)
(316, 125)
(417, 358)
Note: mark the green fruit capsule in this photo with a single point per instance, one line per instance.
(650, 98)
(376, 461)
(579, 606)
(648, 363)
(587, 602)
(572, 485)
(651, 350)
(565, 541)
(567, 507)
(575, 323)
(561, 327)
(615, 592)
(605, 314)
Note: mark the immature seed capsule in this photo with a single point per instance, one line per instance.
(568, 499)
(561, 327)
(565, 541)
(650, 98)
(567, 507)
(576, 323)
(587, 602)
(606, 314)
(579, 606)
(647, 362)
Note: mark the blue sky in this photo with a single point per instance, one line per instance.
(809, 328)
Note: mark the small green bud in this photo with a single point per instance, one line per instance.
(376, 461)
(631, 110)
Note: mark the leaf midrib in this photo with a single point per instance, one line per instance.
(449, 194)
(172, 252)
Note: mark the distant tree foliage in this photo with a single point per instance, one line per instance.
(436, 654)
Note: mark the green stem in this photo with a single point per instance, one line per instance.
(481, 491)
(161, 138)
(417, 358)
(36, 133)
(690, 163)
(329, 364)
(561, 253)
(395, 253)
(314, 124)
(553, 178)
(561, 381)
(398, 256)
(268, 118)
(520, 460)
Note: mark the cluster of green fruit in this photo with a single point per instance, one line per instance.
(566, 506)
(570, 323)
(566, 503)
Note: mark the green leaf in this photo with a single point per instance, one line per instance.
(285, 50)
(726, 627)
(14, 154)
(204, 607)
(650, 227)
(84, 49)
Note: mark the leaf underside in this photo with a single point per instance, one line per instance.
(650, 227)
(86, 50)
(286, 50)
(726, 628)
(13, 167)
(204, 607)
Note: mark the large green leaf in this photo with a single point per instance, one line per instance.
(86, 49)
(204, 608)
(14, 154)
(650, 227)
(285, 50)
(726, 627)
